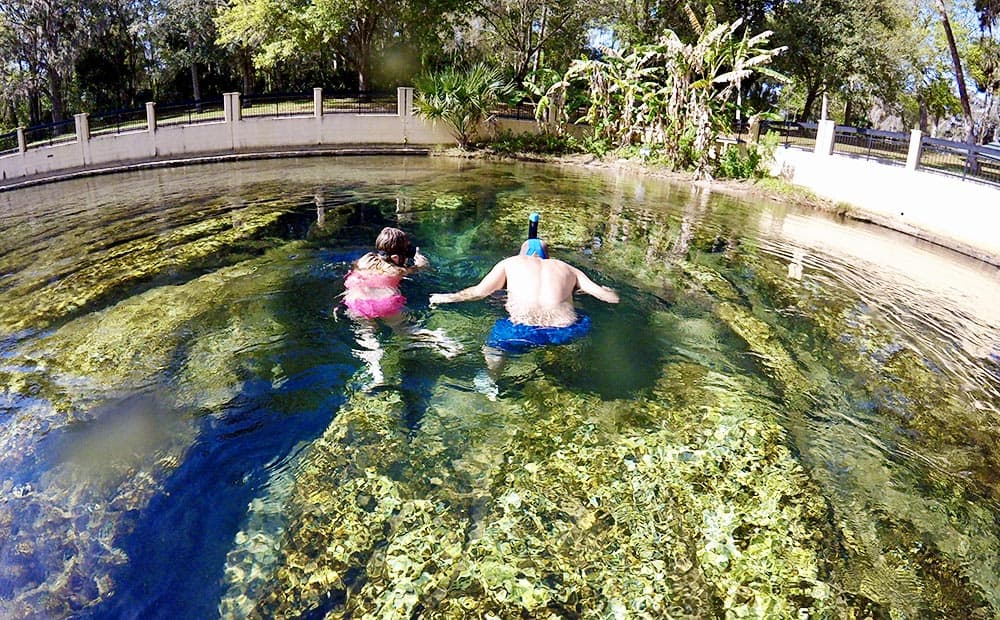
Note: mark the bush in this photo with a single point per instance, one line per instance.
(545, 143)
(749, 163)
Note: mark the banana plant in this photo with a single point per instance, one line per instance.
(674, 96)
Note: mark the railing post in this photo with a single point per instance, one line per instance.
(317, 102)
(404, 101)
(824, 137)
(913, 154)
(83, 136)
(151, 116)
(231, 107)
(22, 143)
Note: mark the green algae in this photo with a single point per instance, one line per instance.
(37, 304)
(699, 510)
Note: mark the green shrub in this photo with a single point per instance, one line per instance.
(545, 143)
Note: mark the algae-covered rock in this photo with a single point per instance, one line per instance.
(91, 411)
(577, 507)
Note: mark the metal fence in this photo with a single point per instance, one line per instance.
(343, 102)
(793, 134)
(524, 111)
(974, 163)
(50, 133)
(8, 143)
(276, 105)
(117, 121)
(190, 112)
(887, 146)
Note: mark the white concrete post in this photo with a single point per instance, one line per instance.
(913, 155)
(317, 102)
(83, 136)
(151, 116)
(824, 137)
(22, 143)
(227, 107)
(236, 107)
(404, 101)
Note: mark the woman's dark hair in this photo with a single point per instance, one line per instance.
(395, 241)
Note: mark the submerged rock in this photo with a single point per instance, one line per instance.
(561, 505)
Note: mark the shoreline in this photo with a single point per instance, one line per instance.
(777, 189)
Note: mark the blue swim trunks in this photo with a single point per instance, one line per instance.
(518, 338)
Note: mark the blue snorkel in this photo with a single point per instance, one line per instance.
(534, 244)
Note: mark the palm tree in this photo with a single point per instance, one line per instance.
(462, 99)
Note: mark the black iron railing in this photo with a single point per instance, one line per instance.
(344, 102)
(118, 121)
(974, 163)
(887, 146)
(50, 133)
(190, 112)
(8, 143)
(277, 104)
(793, 133)
(524, 111)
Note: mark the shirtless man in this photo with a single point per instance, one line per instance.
(539, 302)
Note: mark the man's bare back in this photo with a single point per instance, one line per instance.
(539, 291)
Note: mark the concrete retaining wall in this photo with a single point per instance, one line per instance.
(959, 214)
(231, 135)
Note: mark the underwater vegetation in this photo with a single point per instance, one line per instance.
(792, 455)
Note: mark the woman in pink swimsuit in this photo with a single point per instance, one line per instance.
(372, 285)
(371, 291)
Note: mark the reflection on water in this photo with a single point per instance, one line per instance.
(785, 415)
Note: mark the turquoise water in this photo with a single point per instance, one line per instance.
(785, 415)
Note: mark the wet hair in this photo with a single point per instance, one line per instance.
(392, 241)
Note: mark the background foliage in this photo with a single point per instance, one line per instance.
(885, 63)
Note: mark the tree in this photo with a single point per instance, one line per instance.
(984, 68)
(349, 32)
(963, 94)
(837, 44)
(114, 65)
(522, 33)
(42, 40)
(186, 34)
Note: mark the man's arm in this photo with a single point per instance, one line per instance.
(588, 286)
(495, 280)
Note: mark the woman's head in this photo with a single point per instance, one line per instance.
(393, 242)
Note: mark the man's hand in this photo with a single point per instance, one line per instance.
(440, 298)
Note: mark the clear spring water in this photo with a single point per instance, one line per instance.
(785, 414)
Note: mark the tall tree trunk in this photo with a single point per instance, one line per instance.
(34, 108)
(541, 37)
(195, 84)
(812, 92)
(923, 117)
(246, 71)
(963, 93)
(56, 96)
